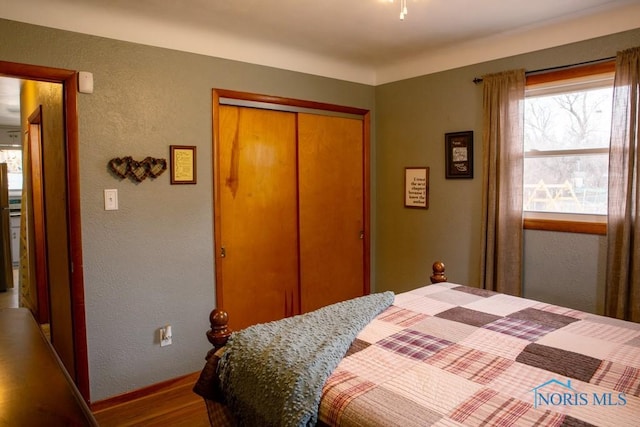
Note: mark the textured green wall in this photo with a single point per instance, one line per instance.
(412, 117)
(150, 263)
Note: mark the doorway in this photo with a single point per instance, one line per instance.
(75, 331)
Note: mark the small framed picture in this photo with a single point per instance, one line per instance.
(458, 148)
(416, 187)
(183, 164)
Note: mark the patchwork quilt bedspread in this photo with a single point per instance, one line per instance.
(447, 355)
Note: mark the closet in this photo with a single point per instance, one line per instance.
(290, 205)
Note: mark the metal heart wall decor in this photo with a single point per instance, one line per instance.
(137, 170)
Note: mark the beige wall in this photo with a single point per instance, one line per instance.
(28, 289)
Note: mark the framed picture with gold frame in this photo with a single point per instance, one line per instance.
(183, 164)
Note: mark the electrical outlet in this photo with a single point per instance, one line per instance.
(165, 336)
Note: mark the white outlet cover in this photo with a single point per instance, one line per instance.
(165, 336)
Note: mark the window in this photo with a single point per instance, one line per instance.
(13, 159)
(566, 144)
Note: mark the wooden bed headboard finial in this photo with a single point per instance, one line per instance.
(219, 332)
(438, 273)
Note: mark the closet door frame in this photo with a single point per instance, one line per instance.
(224, 96)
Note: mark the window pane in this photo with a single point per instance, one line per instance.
(572, 120)
(575, 184)
(13, 159)
(569, 117)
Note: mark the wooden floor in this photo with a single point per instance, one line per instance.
(9, 299)
(173, 405)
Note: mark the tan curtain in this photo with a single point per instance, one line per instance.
(502, 139)
(622, 298)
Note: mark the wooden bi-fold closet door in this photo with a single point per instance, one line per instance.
(290, 212)
(258, 257)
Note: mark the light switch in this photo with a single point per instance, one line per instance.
(111, 200)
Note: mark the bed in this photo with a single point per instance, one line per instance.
(441, 355)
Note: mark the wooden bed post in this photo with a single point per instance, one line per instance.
(219, 332)
(438, 273)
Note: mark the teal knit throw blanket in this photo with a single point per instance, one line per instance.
(272, 374)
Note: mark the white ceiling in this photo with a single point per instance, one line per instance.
(9, 102)
(360, 40)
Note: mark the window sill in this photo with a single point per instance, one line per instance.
(565, 226)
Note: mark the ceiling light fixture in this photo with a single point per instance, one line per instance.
(403, 8)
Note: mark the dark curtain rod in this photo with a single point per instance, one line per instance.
(560, 67)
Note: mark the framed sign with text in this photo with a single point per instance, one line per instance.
(183, 164)
(416, 187)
